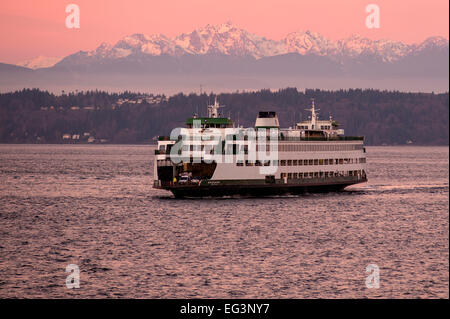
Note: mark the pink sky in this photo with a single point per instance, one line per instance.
(30, 28)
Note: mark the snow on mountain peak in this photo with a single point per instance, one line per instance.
(40, 62)
(307, 42)
(228, 39)
(224, 39)
(433, 42)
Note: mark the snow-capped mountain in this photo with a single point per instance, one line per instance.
(386, 50)
(432, 43)
(309, 43)
(227, 39)
(231, 57)
(40, 62)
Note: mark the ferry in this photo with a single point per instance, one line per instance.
(211, 157)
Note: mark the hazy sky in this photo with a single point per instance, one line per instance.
(29, 28)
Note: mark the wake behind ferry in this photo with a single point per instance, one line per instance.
(212, 157)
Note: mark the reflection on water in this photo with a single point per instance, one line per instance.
(94, 206)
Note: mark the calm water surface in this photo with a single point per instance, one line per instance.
(94, 206)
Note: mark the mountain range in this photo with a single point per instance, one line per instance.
(229, 58)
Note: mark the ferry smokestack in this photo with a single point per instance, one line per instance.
(267, 120)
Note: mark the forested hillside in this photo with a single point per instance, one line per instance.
(383, 117)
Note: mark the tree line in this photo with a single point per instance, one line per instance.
(383, 117)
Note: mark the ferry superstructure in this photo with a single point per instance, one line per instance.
(212, 157)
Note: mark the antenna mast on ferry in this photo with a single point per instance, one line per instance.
(213, 110)
(313, 114)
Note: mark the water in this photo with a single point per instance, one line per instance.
(94, 206)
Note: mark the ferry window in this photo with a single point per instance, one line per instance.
(283, 175)
(294, 162)
(331, 161)
(325, 161)
(275, 162)
(316, 162)
(266, 163)
(300, 175)
(326, 174)
(316, 174)
(258, 163)
(310, 162)
(294, 175)
(320, 161)
(300, 162)
(289, 175)
(311, 175)
(239, 163)
(341, 161)
(248, 163)
(289, 162)
(283, 162)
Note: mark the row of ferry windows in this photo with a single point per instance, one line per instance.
(321, 174)
(283, 147)
(318, 148)
(322, 127)
(326, 161)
